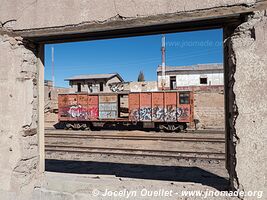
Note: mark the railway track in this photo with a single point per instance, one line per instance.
(136, 137)
(135, 152)
(82, 145)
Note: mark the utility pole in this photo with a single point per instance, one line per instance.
(53, 68)
(163, 64)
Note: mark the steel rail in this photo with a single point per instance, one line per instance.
(136, 137)
(108, 150)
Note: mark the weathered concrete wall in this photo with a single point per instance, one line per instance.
(32, 14)
(209, 108)
(147, 86)
(19, 156)
(247, 72)
(248, 60)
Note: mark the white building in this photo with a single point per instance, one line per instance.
(196, 75)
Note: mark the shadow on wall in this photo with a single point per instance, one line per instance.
(152, 172)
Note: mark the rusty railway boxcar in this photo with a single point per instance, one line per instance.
(163, 110)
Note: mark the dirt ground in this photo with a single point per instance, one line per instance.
(205, 172)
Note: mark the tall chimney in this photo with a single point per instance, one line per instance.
(163, 66)
(53, 68)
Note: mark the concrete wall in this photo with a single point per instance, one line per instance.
(247, 61)
(147, 86)
(30, 14)
(29, 18)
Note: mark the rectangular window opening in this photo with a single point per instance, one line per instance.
(173, 82)
(79, 87)
(101, 87)
(203, 81)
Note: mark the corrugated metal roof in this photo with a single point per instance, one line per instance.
(199, 67)
(93, 76)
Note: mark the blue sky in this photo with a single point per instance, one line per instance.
(129, 56)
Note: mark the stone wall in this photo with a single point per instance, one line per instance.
(19, 155)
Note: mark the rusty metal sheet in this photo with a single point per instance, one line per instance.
(81, 109)
(170, 106)
(63, 107)
(134, 105)
(145, 110)
(92, 100)
(67, 107)
(108, 98)
(92, 107)
(158, 106)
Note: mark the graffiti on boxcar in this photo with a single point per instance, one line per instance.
(77, 111)
(93, 112)
(170, 113)
(158, 113)
(182, 112)
(134, 115)
(145, 113)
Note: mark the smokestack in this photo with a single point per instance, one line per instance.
(163, 65)
(53, 70)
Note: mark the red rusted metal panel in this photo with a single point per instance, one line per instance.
(67, 104)
(158, 106)
(184, 107)
(145, 110)
(170, 106)
(63, 107)
(134, 105)
(73, 107)
(92, 107)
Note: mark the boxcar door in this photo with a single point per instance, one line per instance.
(108, 106)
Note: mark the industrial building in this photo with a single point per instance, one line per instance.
(93, 83)
(196, 75)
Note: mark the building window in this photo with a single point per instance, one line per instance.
(203, 80)
(79, 87)
(90, 90)
(184, 98)
(173, 82)
(101, 87)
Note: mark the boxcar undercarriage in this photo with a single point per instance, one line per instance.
(128, 125)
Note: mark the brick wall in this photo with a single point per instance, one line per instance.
(209, 108)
